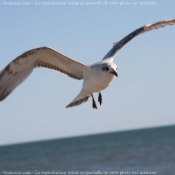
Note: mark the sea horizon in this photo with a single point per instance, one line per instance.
(86, 135)
(141, 151)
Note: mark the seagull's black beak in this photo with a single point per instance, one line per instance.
(114, 73)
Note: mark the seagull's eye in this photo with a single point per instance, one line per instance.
(105, 68)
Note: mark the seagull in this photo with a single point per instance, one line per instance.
(96, 77)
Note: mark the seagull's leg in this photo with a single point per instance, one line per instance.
(93, 103)
(100, 98)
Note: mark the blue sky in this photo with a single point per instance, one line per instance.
(142, 96)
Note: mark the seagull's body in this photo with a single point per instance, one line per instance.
(97, 77)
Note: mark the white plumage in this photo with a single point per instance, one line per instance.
(96, 77)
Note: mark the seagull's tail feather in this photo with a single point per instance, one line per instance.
(82, 97)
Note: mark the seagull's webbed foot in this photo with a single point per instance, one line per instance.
(94, 103)
(100, 98)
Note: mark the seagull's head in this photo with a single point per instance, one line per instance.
(110, 68)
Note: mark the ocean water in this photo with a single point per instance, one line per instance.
(146, 151)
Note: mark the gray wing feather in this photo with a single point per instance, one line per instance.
(116, 48)
(20, 68)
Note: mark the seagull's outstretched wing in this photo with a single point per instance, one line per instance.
(20, 68)
(117, 46)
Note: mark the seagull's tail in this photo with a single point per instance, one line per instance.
(82, 97)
